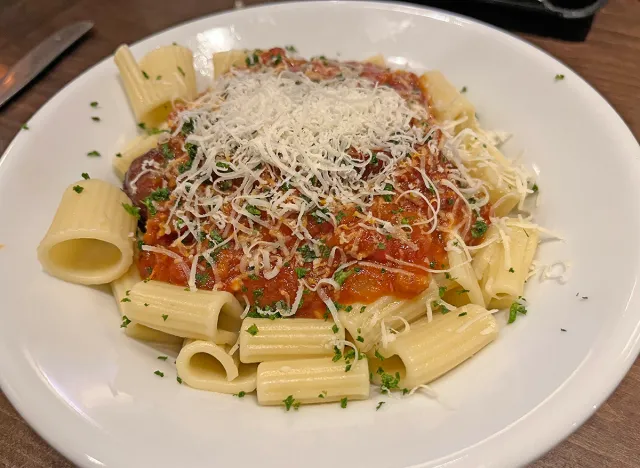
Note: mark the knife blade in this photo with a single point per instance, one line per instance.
(28, 67)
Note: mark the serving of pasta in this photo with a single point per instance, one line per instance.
(303, 228)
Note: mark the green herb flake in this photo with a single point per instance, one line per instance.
(165, 317)
(335, 328)
(181, 71)
(118, 155)
(380, 405)
(163, 358)
(360, 339)
(240, 394)
(290, 48)
(462, 314)
(145, 74)
(362, 309)
(258, 292)
(464, 89)
(511, 270)
(337, 354)
(78, 189)
(253, 210)
(388, 188)
(442, 290)
(95, 119)
(85, 176)
(381, 246)
(252, 330)
(125, 299)
(290, 402)
(478, 229)
(125, 322)
(161, 374)
(343, 402)
(515, 309)
(94, 104)
(24, 127)
(378, 355)
(179, 380)
(559, 77)
(301, 272)
(341, 276)
(93, 153)
(132, 210)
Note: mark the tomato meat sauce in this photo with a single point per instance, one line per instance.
(380, 255)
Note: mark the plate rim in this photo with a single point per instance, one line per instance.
(579, 412)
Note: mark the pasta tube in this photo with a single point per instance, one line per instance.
(203, 315)
(263, 339)
(366, 322)
(121, 288)
(224, 61)
(319, 380)
(430, 349)
(447, 104)
(151, 99)
(207, 366)
(90, 240)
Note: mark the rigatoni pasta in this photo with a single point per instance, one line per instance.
(90, 240)
(307, 226)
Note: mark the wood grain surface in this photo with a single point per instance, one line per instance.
(609, 59)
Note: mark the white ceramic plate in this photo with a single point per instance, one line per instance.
(91, 392)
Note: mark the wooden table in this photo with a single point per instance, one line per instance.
(609, 59)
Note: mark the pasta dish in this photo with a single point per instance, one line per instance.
(305, 227)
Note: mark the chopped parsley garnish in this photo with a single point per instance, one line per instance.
(254, 277)
(95, 119)
(337, 354)
(464, 89)
(142, 125)
(343, 402)
(340, 216)
(94, 104)
(25, 127)
(442, 290)
(253, 210)
(341, 276)
(378, 355)
(308, 254)
(125, 322)
(322, 394)
(181, 71)
(240, 394)
(388, 188)
(85, 176)
(159, 77)
(559, 77)
(381, 246)
(163, 358)
(166, 151)
(78, 189)
(187, 127)
(93, 153)
(439, 305)
(290, 48)
(380, 405)
(462, 314)
(258, 292)
(563, 329)
(515, 309)
(301, 272)
(165, 317)
(252, 60)
(125, 299)
(132, 210)
(161, 374)
(179, 380)
(478, 229)
(462, 291)
(118, 155)
(511, 270)
(291, 402)
(362, 309)
(388, 381)
(202, 278)
(360, 339)
(535, 188)
(335, 328)
(145, 74)
(252, 330)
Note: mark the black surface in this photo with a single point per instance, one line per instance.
(563, 19)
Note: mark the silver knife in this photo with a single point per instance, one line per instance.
(38, 58)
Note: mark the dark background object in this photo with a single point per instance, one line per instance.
(563, 19)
